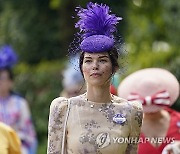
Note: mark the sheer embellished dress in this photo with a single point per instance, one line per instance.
(94, 128)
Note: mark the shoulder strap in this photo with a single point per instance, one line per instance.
(63, 151)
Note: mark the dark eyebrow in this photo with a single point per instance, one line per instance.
(103, 57)
(88, 57)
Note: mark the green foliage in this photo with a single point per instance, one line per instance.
(32, 29)
(55, 4)
(41, 30)
(155, 59)
(152, 36)
(39, 84)
(171, 16)
(174, 67)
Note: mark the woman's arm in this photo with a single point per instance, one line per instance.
(135, 127)
(57, 113)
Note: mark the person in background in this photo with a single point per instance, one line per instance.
(157, 89)
(14, 110)
(73, 81)
(115, 81)
(9, 141)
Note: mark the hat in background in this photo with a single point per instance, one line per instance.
(8, 57)
(154, 87)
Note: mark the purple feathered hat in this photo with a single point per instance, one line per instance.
(97, 26)
(8, 57)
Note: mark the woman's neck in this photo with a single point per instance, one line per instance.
(100, 94)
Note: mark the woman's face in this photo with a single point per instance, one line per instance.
(5, 82)
(97, 68)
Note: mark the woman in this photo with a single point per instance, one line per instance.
(157, 89)
(14, 110)
(9, 141)
(96, 121)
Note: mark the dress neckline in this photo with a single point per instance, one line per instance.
(100, 103)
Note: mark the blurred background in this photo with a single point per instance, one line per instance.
(40, 31)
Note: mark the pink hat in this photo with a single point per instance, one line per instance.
(154, 87)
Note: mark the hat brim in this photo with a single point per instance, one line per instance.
(147, 82)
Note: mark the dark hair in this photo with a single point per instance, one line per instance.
(9, 70)
(113, 54)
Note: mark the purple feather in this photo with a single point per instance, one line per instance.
(8, 57)
(96, 20)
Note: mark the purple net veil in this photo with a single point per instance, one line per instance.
(74, 50)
